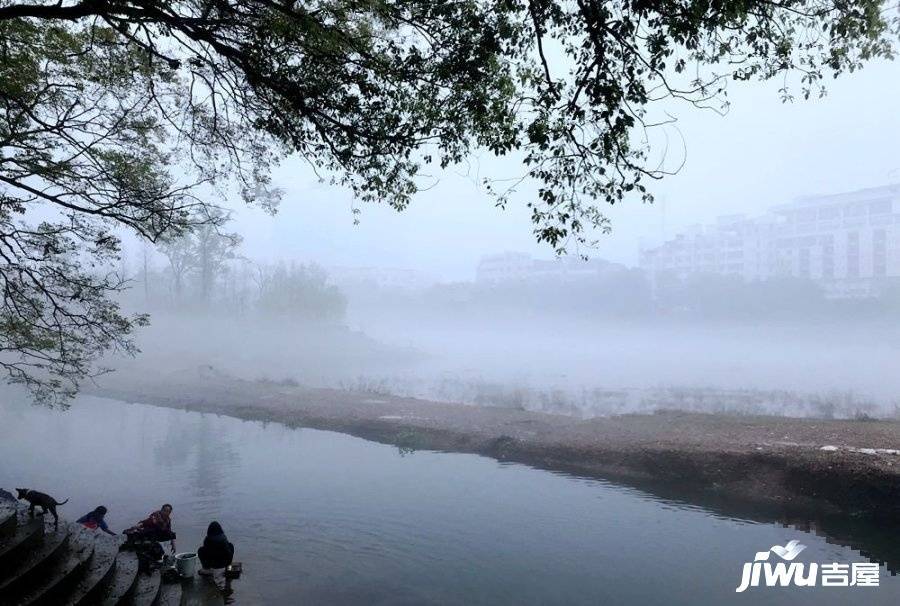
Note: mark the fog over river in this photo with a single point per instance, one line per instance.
(554, 364)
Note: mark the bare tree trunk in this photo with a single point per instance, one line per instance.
(146, 276)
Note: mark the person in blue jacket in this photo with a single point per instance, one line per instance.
(95, 519)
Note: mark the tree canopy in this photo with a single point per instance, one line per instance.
(116, 114)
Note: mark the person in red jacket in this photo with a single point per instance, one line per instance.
(157, 527)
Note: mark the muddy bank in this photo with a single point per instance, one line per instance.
(790, 465)
(840, 479)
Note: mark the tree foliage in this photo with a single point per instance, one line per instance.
(298, 292)
(114, 112)
(202, 251)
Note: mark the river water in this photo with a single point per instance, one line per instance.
(323, 518)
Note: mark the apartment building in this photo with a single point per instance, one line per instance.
(849, 243)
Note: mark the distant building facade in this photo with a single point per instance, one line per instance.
(512, 267)
(849, 243)
(351, 278)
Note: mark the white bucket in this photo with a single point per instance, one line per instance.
(186, 564)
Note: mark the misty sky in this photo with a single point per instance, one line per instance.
(763, 152)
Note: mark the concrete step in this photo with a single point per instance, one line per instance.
(146, 590)
(203, 591)
(28, 568)
(72, 566)
(122, 584)
(65, 571)
(169, 595)
(15, 546)
(98, 573)
(8, 512)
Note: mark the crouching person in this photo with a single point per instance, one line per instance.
(216, 551)
(157, 527)
(96, 519)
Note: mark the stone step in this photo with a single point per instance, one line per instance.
(8, 512)
(74, 566)
(122, 584)
(204, 591)
(14, 546)
(32, 565)
(62, 574)
(98, 573)
(146, 590)
(169, 595)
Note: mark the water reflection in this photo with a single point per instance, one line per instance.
(875, 539)
(323, 518)
(198, 445)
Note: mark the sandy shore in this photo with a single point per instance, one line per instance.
(791, 466)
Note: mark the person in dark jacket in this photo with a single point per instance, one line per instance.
(94, 520)
(216, 551)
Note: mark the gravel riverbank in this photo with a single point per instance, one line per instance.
(785, 464)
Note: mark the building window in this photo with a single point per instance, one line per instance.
(831, 212)
(879, 253)
(853, 254)
(828, 257)
(881, 207)
(804, 262)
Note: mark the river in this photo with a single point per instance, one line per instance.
(324, 518)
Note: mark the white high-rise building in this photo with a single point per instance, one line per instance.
(849, 243)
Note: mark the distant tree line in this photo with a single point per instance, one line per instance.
(717, 296)
(202, 270)
(628, 293)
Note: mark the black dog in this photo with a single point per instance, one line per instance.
(46, 502)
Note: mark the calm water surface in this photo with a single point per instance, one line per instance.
(323, 518)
